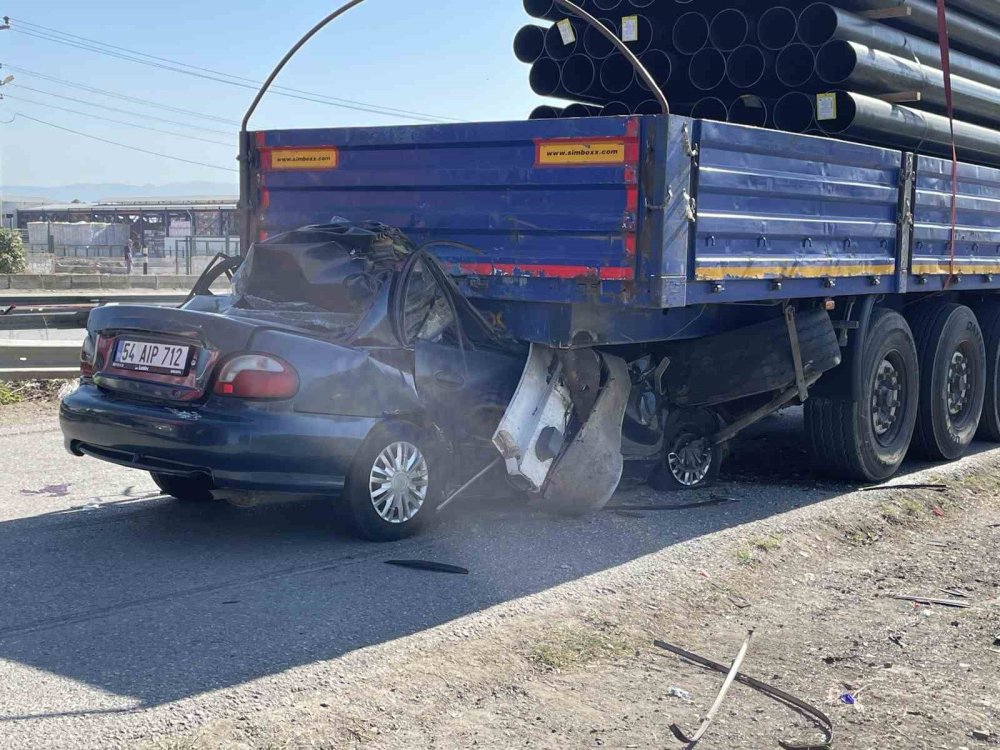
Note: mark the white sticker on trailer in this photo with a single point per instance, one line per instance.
(566, 31)
(630, 29)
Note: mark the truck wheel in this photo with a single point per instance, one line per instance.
(988, 314)
(690, 459)
(186, 489)
(952, 382)
(867, 439)
(393, 484)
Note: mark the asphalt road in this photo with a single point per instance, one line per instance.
(124, 614)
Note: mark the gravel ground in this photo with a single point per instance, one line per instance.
(136, 622)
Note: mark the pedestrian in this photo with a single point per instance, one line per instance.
(128, 257)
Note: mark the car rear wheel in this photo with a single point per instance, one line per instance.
(185, 489)
(393, 484)
(690, 459)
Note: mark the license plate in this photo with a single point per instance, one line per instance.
(148, 356)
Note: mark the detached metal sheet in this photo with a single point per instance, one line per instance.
(548, 201)
(977, 237)
(775, 205)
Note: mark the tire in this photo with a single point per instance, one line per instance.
(988, 313)
(949, 345)
(378, 511)
(689, 462)
(859, 439)
(185, 489)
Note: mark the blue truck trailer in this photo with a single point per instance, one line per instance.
(735, 270)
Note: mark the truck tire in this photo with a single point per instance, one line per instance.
(185, 489)
(394, 484)
(988, 313)
(952, 357)
(867, 439)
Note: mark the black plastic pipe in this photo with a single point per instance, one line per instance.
(690, 33)
(617, 75)
(545, 112)
(866, 118)
(731, 28)
(750, 67)
(556, 48)
(529, 43)
(615, 109)
(647, 107)
(749, 109)
(966, 33)
(581, 110)
(822, 22)
(579, 75)
(543, 9)
(859, 68)
(596, 44)
(795, 112)
(660, 65)
(710, 108)
(776, 29)
(796, 68)
(707, 69)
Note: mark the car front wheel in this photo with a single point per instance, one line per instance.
(393, 484)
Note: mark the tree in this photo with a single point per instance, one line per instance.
(12, 258)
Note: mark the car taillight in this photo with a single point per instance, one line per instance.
(256, 376)
(87, 354)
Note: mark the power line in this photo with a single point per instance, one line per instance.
(124, 145)
(331, 99)
(109, 108)
(23, 100)
(231, 80)
(116, 95)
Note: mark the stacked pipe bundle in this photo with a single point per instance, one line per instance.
(823, 67)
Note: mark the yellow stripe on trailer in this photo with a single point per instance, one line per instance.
(793, 271)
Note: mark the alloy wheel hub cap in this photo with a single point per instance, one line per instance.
(398, 482)
(690, 460)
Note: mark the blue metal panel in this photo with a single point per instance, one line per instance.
(977, 239)
(561, 228)
(775, 205)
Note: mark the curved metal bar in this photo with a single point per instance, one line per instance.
(640, 70)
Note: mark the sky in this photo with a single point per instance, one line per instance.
(445, 58)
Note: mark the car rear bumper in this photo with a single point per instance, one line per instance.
(246, 448)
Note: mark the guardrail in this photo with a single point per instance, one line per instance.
(36, 312)
(39, 360)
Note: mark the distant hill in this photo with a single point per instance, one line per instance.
(93, 191)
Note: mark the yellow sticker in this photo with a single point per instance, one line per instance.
(298, 159)
(575, 153)
(826, 107)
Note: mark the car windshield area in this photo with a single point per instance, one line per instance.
(427, 313)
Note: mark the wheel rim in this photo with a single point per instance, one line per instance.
(398, 482)
(959, 384)
(690, 460)
(887, 399)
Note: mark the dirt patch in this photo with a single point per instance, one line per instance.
(579, 669)
(27, 407)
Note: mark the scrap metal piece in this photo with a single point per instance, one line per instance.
(714, 500)
(935, 487)
(435, 567)
(774, 693)
(710, 716)
(468, 484)
(793, 338)
(932, 600)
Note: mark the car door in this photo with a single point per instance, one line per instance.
(464, 381)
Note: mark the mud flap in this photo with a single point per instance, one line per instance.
(569, 473)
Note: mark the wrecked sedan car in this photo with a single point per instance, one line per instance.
(344, 364)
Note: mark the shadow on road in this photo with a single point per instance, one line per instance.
(157, 600)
